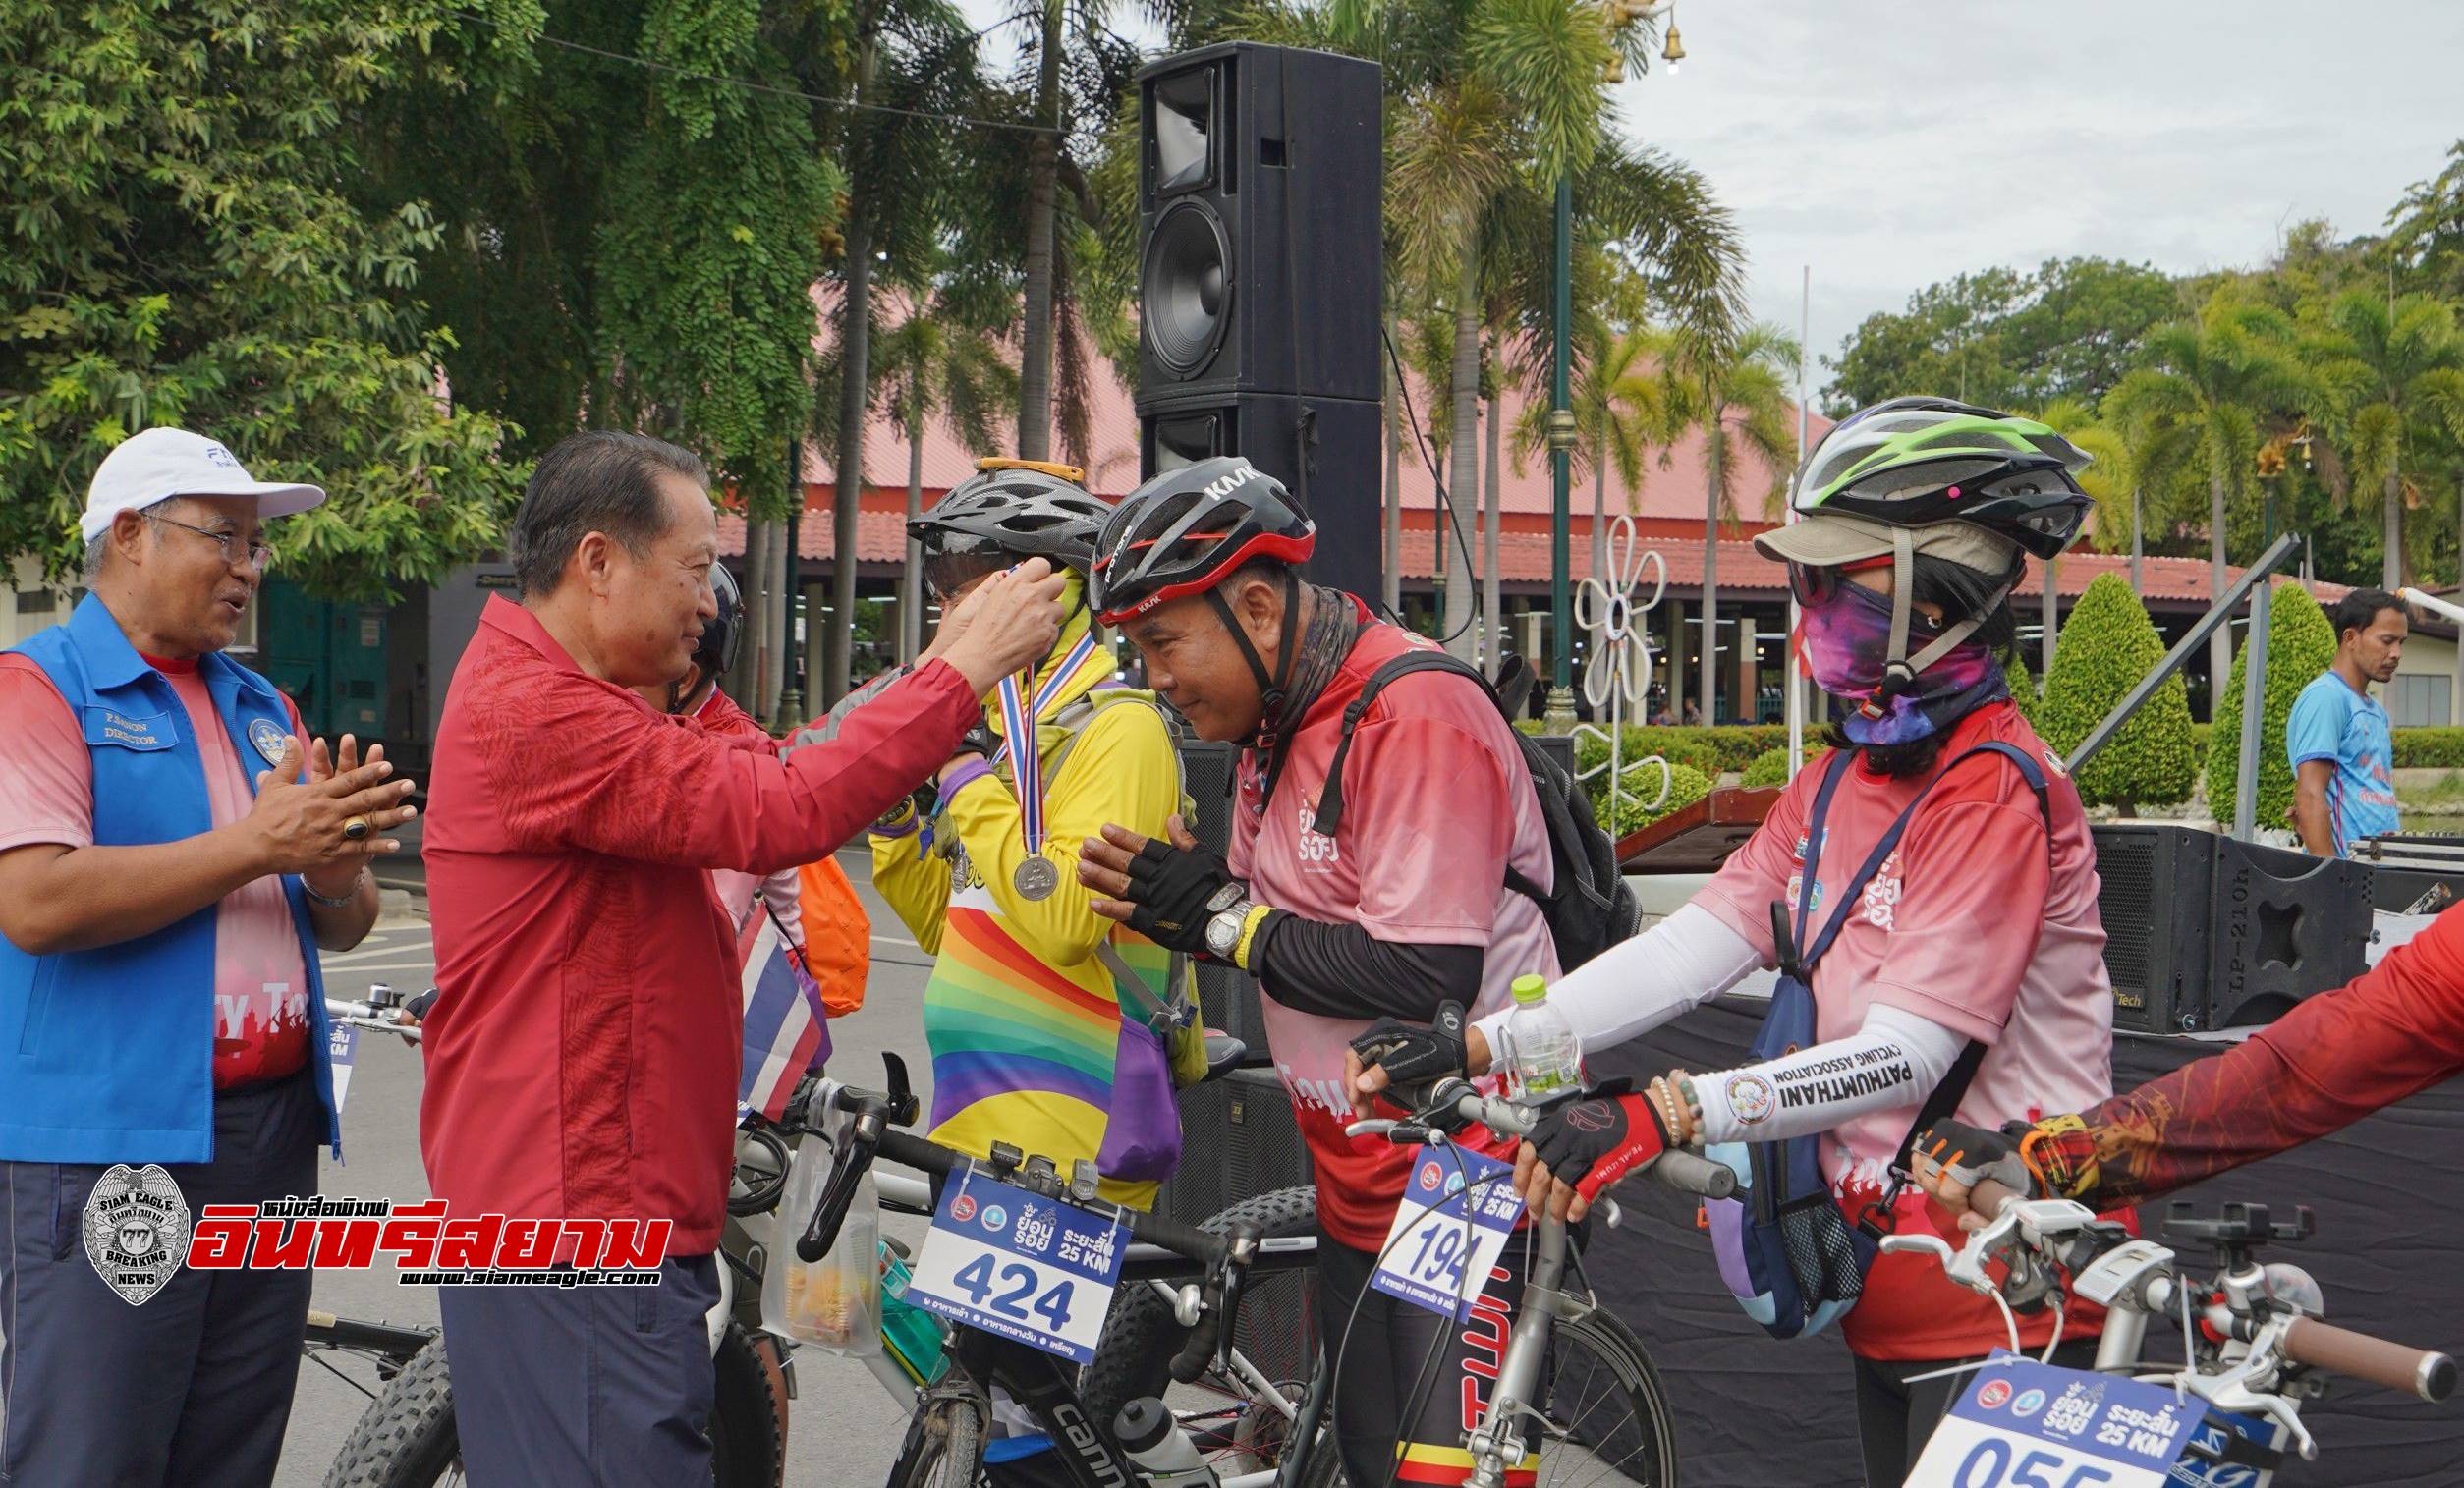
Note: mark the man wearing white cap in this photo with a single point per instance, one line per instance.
(173, 852)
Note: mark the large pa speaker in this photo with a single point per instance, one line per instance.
(1261, 280)
(2205, 932)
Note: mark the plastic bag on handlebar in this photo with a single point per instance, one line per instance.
(834, 1302)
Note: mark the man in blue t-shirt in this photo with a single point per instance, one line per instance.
(2343, 756)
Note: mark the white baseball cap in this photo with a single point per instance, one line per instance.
(157, 465)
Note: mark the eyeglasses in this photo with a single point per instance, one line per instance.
(260, 554)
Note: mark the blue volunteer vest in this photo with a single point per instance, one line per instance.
(107, 1055)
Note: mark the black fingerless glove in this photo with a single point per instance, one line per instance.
(1174, 891)
(1411, 1054)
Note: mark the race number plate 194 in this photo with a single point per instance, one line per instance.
(1018, 1265)
(1458, 1209)
(2022, 1424)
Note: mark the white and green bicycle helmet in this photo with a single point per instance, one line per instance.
(1932, 475)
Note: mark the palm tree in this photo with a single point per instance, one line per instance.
(1736, 392)
(2215, 381)
(2396, 370)
(2109, 479)
(1621, 407)
(933, 365)
(914, 57)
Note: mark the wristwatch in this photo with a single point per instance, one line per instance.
(1230, 907)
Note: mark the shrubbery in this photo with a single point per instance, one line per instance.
(2428, 749)
(1770, 767)
(2300, 644)
(1686, 786)
(2106, 648)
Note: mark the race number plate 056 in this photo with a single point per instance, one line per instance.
(2022, 1424)
(1018, 1265)
(1458, 1209)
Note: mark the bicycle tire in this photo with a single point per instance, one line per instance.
(1140, 1336)
(944, 1447)
(1643, 1446)
(407, 1438)
(1645, 1456)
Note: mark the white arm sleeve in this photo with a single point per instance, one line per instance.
(1639, 984)
(1894, 1061)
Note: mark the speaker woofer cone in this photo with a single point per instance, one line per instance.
(1184, 288)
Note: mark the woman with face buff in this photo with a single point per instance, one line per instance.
(1967, 949)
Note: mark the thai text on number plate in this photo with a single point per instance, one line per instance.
(1458, 1209)
(2023, 1424)
(1018, 1265)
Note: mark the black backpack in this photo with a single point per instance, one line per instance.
(1590, 906)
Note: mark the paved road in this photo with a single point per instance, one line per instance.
(844, 1429)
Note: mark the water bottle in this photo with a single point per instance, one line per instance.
(1548, 1057)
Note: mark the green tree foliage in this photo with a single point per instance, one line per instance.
(2006, 338)
(182, 246)
(2300, 644)
(2108, 646)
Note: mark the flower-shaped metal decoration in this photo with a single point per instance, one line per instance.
(1618, 676)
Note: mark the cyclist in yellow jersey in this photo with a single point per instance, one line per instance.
(1051, 1029)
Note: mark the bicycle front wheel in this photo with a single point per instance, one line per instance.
(944, 1445)
(1608, 1418)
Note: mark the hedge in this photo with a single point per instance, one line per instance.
(1686, 786)
(1712, 750)
(1770, 767)
(2300, 644)
(2428, 749)
(2108, 646)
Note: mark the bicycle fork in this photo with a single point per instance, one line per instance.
(1496, 1442)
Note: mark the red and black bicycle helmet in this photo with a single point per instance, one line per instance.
(1188, 529)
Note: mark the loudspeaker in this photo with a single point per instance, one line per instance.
(1259, 216)
(2205, 932)
(2287, 925)
(1239, 1138)
(1320, 448)
(1261, 280)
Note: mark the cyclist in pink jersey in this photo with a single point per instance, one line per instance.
(1971, 951)
(1402, 907)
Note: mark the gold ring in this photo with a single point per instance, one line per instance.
(357, 828)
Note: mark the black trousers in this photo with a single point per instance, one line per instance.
(1896, 1418)
(191, 1386)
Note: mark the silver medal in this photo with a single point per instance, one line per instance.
(1036, 877)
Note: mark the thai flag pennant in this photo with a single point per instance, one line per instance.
(786, 1031)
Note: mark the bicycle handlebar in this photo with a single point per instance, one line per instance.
(869, 1135)
(1679, 1168)
(2420, 1372)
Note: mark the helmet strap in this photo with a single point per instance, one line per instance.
(1901, 672)
(1270, 685)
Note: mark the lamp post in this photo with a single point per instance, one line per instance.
(1562, 433)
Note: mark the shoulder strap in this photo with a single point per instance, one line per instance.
(1330, 799)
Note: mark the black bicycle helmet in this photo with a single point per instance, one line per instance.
(1186, 531)
(715, 653)
(1913, 461)
(1008, 510)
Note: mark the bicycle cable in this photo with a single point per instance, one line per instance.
(1440, 1343)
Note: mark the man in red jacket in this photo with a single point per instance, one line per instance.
(582, 1053)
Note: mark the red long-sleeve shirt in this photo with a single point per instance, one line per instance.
(581, 1058)
(2394, 1030)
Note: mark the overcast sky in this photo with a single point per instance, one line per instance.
(1891, 145)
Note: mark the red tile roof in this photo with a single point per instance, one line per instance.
(1112, 460)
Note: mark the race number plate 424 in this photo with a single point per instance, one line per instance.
(1020, 1266)
(1458, 1209)
(2022, 1424)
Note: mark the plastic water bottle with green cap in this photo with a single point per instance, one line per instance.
(1548, 1057)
